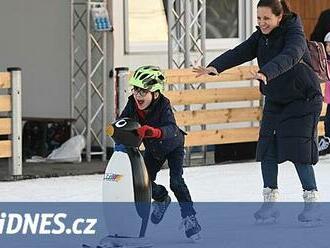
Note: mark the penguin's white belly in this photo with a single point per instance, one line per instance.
(120, 211)
(118, 185)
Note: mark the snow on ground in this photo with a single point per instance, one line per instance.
(219, 183)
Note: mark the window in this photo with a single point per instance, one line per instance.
(224, 23)
(221, 19)
(146, 24)
(147, 21)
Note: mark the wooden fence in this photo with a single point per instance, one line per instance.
(216, 115)
(220, 115)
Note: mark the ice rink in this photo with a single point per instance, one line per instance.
(236, 182)
(217, 185)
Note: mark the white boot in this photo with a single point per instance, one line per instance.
(311, 213)
(268, 213)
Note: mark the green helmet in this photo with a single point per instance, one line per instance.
(148, 77)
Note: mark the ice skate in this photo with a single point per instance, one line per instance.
(324, 143)
(310, 216)
(159, 209)
(191, 227)
(268, 213)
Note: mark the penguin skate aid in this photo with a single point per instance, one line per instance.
(126, 189)
(163, 140)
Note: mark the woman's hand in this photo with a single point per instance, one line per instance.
(260, 76)
(201, 70)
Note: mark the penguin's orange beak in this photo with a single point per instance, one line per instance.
(109, 130)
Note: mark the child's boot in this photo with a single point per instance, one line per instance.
(192, 227)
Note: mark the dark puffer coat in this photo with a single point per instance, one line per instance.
(160, 115)
(293, 98)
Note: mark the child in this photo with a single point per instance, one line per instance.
(325, 141)
(163, 140)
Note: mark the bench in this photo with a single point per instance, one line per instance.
(11, 120)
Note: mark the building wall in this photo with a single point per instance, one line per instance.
(309, 10)
(35, 35)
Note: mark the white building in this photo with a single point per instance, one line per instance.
(36, 37)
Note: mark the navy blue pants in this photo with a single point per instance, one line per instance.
(177, 183)
(269, 168)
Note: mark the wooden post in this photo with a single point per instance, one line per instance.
(15, 167)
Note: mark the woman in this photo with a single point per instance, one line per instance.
(293, 101)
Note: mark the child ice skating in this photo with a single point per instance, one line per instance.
(325, 141)
(163, 140)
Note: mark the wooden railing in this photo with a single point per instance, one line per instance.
(219, 115)
(11, 119)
